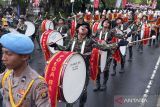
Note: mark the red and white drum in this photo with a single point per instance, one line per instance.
(65, 75)
(52, 36)
(46, 25)
(30, 28)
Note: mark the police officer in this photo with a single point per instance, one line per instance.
(22, 86)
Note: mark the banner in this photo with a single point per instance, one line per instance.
(118, 3)
(73, 28)
(146, 34)
(94, 64)
(36, 3)
(124, 3)
(116, 54)
(96, 4)
(154, 4)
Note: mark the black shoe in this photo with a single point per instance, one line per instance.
(97, 88)
(113, 73)
(122, 70)
(130, 60)
(141, 51)
(81, 105)
(69, 105)
(103, 87)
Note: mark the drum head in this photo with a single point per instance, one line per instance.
(53, 37)
(49, 25)
(30, 28)
(74, 78)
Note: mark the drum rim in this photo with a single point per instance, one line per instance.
(62, 75)
(42, 39)
(42, 25)
(46, 25)
(33, 25)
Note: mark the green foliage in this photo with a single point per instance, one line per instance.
(158, 4)
(110, 3)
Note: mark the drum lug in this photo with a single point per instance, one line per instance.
(59, 101)
(60, 86)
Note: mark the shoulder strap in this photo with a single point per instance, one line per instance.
(5, 77)
(42, 78)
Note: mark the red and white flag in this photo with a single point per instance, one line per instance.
(36, 3)
(154, 4)
(96, 4)
(124, 2)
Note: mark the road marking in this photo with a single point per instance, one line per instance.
(147, 90)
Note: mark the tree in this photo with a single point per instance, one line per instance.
(158, 4)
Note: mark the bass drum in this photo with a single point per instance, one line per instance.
(30, 28)
(47, 25)
(70, 81)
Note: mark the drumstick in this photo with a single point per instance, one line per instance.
(153, 37)
(54, 18)
(46, 14)
(60, 15)
(58, 39)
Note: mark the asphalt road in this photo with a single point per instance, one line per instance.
(123, 90)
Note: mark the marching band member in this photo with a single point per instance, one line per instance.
(62, 28)
(135, 33)
(144, 24)
(22, 86)
(83, 44)
(21, 27)
(104, 34)
(120, 27)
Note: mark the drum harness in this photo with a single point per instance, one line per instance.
(82, 48)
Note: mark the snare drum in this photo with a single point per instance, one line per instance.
(46, 25)
(66, 82)
(30, 28)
